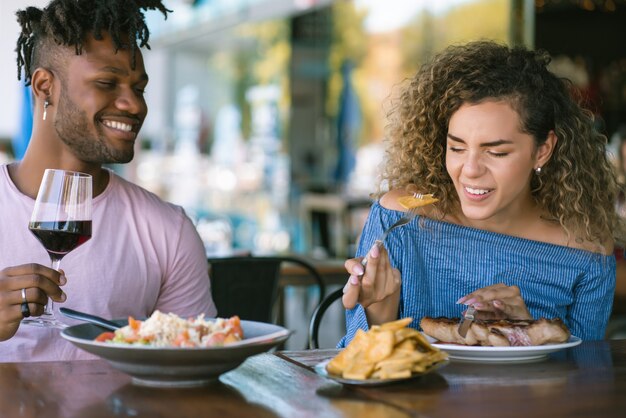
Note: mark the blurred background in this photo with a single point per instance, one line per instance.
(267, 117)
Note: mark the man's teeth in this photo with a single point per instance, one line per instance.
(118, 125)
(476, 191)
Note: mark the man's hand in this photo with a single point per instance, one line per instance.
(39, 282)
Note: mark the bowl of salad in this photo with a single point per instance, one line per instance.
(168, 351)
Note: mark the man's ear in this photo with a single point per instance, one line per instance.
(545, 150)
(41, 83)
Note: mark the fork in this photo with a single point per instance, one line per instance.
(405, 219)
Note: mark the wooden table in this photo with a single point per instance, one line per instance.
(588, 380)
(332, 271)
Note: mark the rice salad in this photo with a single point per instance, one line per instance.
(170, 330)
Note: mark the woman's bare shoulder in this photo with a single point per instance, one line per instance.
(554, 233)
(607, 247)
(390, 199)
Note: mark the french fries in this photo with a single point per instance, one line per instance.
(387, 351)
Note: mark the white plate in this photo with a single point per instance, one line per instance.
(177, 367)
(502, 354)
(320, 369)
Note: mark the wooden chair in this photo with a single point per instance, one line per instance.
(318, 315)
(248, 286)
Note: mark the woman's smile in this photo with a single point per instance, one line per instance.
(477, 194)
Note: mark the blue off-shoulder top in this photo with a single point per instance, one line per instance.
(440, 262)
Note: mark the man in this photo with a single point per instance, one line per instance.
(83, 62)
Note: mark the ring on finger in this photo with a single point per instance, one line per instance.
(24, 306)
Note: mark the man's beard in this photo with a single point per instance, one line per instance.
(72, 126)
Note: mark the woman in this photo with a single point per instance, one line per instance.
(525, 220)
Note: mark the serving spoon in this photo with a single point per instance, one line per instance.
(82, 316)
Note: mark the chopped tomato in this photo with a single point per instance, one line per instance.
(215, 339)
(133, 323)
(235, 324)
(105, 336)
(182, 340)
(231, 338)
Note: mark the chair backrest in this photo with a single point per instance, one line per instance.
(318, 315)
(248, 286)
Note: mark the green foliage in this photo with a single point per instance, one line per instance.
(349, 43)
(428, 34)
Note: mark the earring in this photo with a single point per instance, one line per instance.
(46, 103)
(538, 170)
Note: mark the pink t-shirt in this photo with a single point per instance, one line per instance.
(144, 255)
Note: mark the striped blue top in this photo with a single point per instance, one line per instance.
(440, 262)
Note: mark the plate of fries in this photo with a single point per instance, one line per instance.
(387, 353)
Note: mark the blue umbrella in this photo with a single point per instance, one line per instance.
(21, 138)
(348, 126)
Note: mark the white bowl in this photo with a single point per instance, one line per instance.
(177, 367)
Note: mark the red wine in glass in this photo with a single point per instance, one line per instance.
(61, 237)
(61, 221)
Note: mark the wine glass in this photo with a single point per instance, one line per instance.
(61, 221)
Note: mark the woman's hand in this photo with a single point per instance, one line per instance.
(497, 301)
(377, 290)
(39, 283)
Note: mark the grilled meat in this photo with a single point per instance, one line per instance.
(498, 333)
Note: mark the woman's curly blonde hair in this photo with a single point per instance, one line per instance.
(577, 187)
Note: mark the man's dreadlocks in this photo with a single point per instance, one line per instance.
(67, 22)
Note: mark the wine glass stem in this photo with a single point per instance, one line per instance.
(56, 262)
(48, 308)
